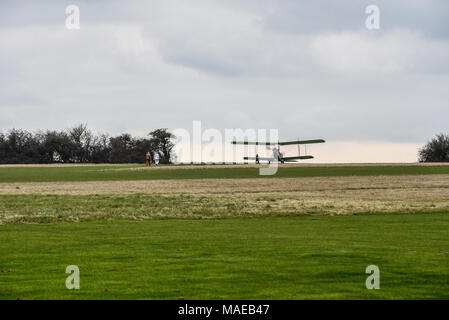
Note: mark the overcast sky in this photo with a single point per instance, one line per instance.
(309, 68)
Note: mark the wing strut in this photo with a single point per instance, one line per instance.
(299, 149)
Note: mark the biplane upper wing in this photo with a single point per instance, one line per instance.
(285, 143)
(255, 143)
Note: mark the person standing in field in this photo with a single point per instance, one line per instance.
(156, 158)
(148, 159)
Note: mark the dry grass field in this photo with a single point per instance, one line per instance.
(212, 198)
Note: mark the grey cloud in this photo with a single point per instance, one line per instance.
(290, 16)
(302, 67)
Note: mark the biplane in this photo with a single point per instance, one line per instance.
(277, 155)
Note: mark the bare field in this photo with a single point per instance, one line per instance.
(386, 186)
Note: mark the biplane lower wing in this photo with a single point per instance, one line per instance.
(297, 158)
(288, 159)
(260, 158)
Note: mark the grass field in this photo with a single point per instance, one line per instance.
(135, 172)
(224, 233)
(263, 258)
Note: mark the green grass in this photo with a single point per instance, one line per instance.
(287, 254)
(107, 173)
(261, 258)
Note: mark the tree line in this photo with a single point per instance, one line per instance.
(80, 145)
(436, 150)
